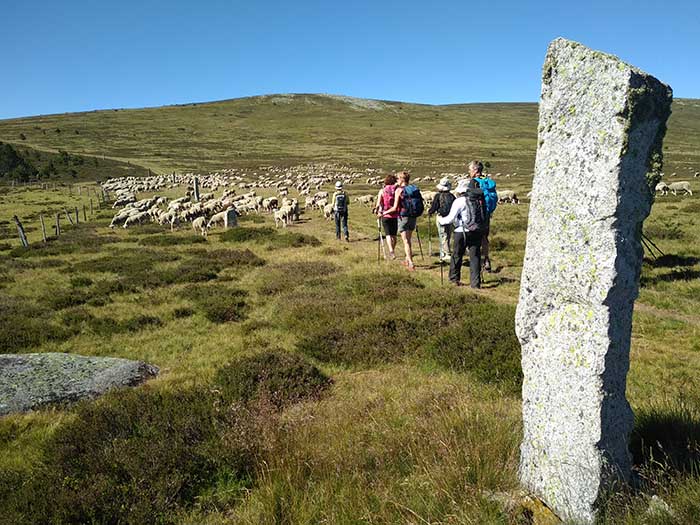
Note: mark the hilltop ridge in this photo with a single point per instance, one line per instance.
(288, 129)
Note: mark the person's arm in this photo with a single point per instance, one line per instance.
(435, 204)
(378, 205)
(397, 197)
(455, 210)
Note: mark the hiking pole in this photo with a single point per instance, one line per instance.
(420, 247)
(652, 243)
(442, 279)
(430, 244)
(381, 242)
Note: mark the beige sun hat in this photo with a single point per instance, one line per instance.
(444, 184)
(462, 186)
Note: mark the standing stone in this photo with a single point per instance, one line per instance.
(196, 189)
(231, 218)
(601, 128)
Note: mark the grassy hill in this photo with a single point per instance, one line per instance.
(291, 129)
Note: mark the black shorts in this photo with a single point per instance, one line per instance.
(391, 226)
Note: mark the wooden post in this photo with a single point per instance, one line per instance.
(84, 214)
(20, 229)
(70, 219)
(58, 225)
(77, 216)
(43, 226)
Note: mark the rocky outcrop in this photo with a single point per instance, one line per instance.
(30, 381)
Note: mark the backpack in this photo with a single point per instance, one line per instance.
(488, 186)
(412, 202)
(445, 198)
(341, 202)
(388, 196)
(475, 218)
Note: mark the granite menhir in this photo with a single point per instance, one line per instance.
(599, 156)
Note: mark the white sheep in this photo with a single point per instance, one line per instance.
(328, 211)
(662, 188)
(219, 218)
(680, 186)
(507, 196)
(200, 223)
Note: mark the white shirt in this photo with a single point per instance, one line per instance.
(460, 211)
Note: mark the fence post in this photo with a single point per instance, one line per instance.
(84, 214)
(20, 229)
(77, 216)
(70, 219)
(58, 225)
(43, 226)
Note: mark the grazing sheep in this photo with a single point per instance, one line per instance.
(219, 218)
(282, 216)
(328, 211)
(366, 200)
(507, 196)
(137, 218)
(662, 188)
(680, 186)
(321, 203)
(200, 223)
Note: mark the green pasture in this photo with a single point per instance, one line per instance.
(304, 381)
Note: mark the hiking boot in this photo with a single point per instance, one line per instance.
(347, 239)
(411, 268)
(392, 255)
(487, 265)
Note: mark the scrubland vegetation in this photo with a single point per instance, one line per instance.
(303, 382)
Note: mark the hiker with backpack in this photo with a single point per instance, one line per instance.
(408, 201)
(340, 211)
(468, 215)
(488, 186)
(389, 221)
(442, 204)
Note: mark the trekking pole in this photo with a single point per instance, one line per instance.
(442, 279)
(652, 243)
(380, 249)
(420, 247)
(430, 244)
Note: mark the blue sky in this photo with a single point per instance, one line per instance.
(79, 55)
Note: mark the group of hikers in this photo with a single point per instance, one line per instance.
(463, 221)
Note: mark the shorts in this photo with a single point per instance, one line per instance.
(407, 224)
(390, 226)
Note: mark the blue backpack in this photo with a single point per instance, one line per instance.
(412, 202)
(488, 186)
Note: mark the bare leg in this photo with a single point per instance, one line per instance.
(391, 243)
(406, 238)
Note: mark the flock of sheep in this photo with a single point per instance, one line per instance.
(206, 210)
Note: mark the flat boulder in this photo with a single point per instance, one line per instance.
(31, 381)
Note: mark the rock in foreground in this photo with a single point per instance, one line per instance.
(601, 128)
(30, 381)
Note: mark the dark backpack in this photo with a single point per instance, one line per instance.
(412, 202)
(445, 199)
(341, 203)
(477, 216)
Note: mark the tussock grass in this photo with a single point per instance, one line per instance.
(278, 377)
(218, 304)
(270, 237)
(171, 240)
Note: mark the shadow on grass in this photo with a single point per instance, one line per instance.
(666, 438)
(671, 261)
(680, 274)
